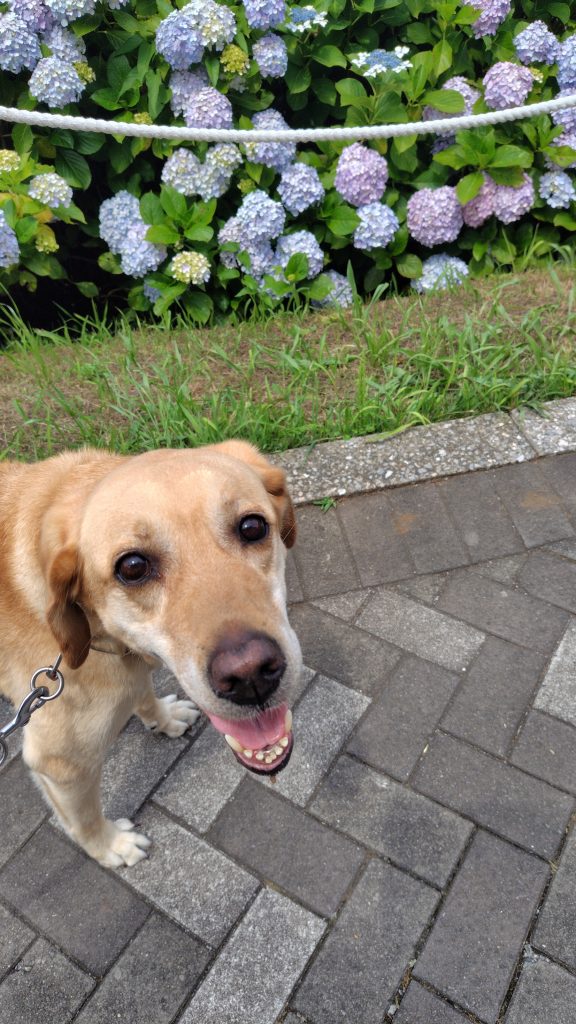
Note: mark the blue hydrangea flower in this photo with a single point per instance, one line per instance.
(557, 189)
(567, 64)
(506, 85)
(440, 272)
(479, 209)
(512, 203)
(19, 46)
(469, 95)
(262, 259)
(216, 22)
(55, 82)
(184, 85)
(137, 256)
(117, 216)
(181, 172)
(216, 171)
(566, 139)
(492, 14)
(300, 187)
(340, 294)
(264, 13)
(377, 227)
(434, 215)
(65, 11)
(303, 19)
(361, 175)
(208, 108)
(64, 44)
(34, 13)
(302, 242)
(536, 43)
(271, 56)
(51, 190)
(277, 155)
(151, 293)
(260, 253)
(179, 41)
(259, 219)
(380, 62)
(9, 248)
(566, 118)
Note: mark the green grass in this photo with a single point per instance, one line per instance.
(292, 380)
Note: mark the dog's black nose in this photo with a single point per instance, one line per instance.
(246, 668)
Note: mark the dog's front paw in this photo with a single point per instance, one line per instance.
(122, 846)
(174, 716)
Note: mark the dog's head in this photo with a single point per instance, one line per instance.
(178, 556)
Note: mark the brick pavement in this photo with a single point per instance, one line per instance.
(415, 861)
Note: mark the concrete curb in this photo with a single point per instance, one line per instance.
(339, 468)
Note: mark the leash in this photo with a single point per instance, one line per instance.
(38, 696)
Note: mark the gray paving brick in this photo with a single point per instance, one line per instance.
(23, 808)
(201, 783)
(557, 694)
(342, 651)
(377, 544)
(423, 588)
(45, 988)
(259, 965)
(419, 1006)
(85, 910)
(472, 950)
(15, 936)
(544, 993)
(365, 956)
(190, 881)
(293, 587)
(321, 556)
(421, 630)
(560, 472)
(151, 979)
(550, 578)
(546, 747)
(483, 520)
(396, 728)
(135, 764)
(535, 508)
(344, 606)
(494, 695)
(420, 518)
(494, 794)
(287, 847)
(503, 610)
(504, 569)
(556, 927)
(566, 548)
(412, 831)
(323, 721)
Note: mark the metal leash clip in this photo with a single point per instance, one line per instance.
(38, 696)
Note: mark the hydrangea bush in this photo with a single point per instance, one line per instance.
(212, 227)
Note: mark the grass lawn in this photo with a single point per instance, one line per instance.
(294, 379)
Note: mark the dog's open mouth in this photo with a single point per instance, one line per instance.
(262, 743)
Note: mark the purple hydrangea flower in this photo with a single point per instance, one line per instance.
(34, 13)
(55, 82)
(567, 64)
(440, 272)
(377, 227)
(302, 242)
(434, 215)
(512, 203)
(216, 171)
(264, 13)
(137, 256)
(340, 294)
(179, 41)
(216, 22)
(300, 187)
(567, 117)
(150, 292)
(64, 44)
(361, 175)
(492, 14)
(9, 248)
(460, 85)
(117, 216)
(271, 56)
(208, 108)
(51, 190)
(19, 46)
(184, 85)
(506, 85)
(65, 11)
(557, 189)
(181, 172)
(259, 219)
(479, 209)
(277, 155)
(536, 43)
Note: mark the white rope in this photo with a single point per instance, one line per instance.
(383, 131)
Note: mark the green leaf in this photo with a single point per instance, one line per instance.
(409, 265)
(88, 143)
(87, 288)
(507, 176)
(452, 156)
(106, 98)
(173, 202)
(511, 156)
(73, 168)
(564, 219)
(404, 142)
(151, 209)
(198, 233)
(442, 54)
(325, 90)
(343, 221)
(117, 72)
(560, 11)
(563, 156)
(162, 234)
(449, 101)
(199, 306)
(469, 186)
(351, 91)
(297, 268)
(26, 228)
(330, 57)
(169, 295)
(22, 138)
(45, 265)
(321, 287)
(62, 138)
(298, 78)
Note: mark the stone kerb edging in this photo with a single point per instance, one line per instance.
(339, 468)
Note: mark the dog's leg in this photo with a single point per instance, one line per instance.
(166, 714)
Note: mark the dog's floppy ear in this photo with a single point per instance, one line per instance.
(65, 617)
(274, 480)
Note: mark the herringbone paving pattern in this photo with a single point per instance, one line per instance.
(414, 863)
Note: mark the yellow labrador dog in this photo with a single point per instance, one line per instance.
(125, 563)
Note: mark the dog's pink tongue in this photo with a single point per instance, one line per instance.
(253, 733)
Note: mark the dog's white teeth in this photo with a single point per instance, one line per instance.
(284, 742)
(288, 722)
(260, 756)
(248, 753)
(277, 750)
(234, 744)
(269, 758)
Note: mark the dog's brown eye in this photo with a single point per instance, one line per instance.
(133, 568)
(253, 528)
